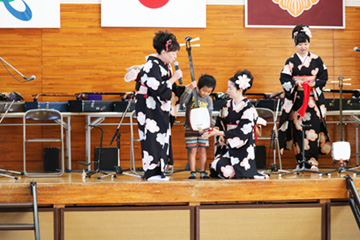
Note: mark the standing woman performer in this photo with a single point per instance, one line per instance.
(235, 126)
(153, 103)
(303, 79)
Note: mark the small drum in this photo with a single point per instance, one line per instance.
(341, 151)
(199, 119)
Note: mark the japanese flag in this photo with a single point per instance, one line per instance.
(153, 13)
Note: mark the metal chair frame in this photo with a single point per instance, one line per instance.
(44, 115)
(267, 113)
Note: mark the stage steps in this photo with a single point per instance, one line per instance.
(24, 205)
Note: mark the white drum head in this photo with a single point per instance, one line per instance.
(199, 119)
(341, 150)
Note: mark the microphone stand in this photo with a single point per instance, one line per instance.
(274, 139)
(117, 134)
(27, 79)
(5, 172)
(302, 163)
(7, 110)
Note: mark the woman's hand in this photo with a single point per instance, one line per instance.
(177, 75)
(222, 141)
(298, 83)
(212, 132)
(311, 83)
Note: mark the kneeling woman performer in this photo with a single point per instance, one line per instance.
(235, 158)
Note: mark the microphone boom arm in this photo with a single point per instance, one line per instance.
(27, 79)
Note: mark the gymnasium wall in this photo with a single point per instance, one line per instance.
(82, 56)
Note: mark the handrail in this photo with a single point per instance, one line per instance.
(354, 198)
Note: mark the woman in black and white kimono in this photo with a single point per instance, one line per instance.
(303, 79)
(153, 103)
(235, 128)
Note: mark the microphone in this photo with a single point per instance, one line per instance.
(176, 65)
(31, 78)
(356, 49)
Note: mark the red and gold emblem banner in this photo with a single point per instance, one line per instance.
(288, 13)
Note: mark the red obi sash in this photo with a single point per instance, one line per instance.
(307, 89)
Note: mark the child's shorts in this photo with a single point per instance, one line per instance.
(193, 139)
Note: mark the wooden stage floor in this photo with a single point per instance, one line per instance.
(72, 189)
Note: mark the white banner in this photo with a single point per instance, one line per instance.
(29, 13)
(153, 13)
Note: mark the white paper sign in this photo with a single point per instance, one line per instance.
(29, 13)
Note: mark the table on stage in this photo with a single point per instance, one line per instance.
(351, 117)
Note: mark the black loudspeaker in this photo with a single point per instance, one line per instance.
(260, 157)
(51, 159)
(109, 158)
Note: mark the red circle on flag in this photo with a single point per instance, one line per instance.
(154, 3)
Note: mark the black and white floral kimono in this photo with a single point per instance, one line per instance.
(237, 158)
(291, 123)
(153, 103)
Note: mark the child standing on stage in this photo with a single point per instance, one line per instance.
(193, 140)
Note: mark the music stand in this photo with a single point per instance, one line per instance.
(303, 161)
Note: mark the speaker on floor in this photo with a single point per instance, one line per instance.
(260, 157)
(108, 160)
(51, 159)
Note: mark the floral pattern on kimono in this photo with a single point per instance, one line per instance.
(291, 124)
(153, 103)
(237, 158)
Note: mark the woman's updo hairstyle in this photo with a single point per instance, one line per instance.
(242, 79)
(301, 33)
(165, 41)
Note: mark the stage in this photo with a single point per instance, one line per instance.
(190, 209)
(72, 189)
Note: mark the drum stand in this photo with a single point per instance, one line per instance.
(303, 161)
(341, 150)
(341, 168)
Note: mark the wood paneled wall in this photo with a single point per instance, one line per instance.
(82, 56)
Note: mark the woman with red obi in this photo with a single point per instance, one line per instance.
(303, 78)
